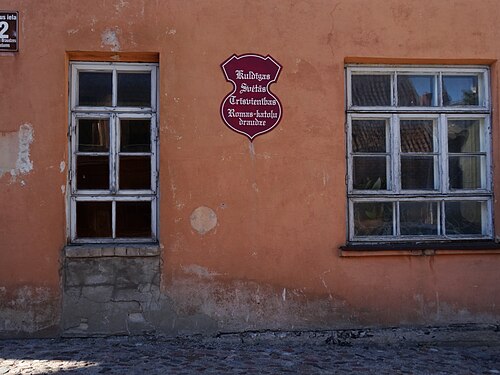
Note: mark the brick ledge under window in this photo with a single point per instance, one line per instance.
(420, 249)
(111, 250)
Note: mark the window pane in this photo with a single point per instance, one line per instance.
(418, 218)
(93, 219)
(92, 172)
(466, 172)
(371, 89)
(94, 88)
(460, 90)
(135, 135)
(134, 89)
(135, 172)
(370, 173)
(417, 135)
(417, 173)
(369, 135)
(464, 217)
(373, 219)
(93, 135)
(415, 90)
(464, 135)
(133, 219)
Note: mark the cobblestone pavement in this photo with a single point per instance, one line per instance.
(321, 354)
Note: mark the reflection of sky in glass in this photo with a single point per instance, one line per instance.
(415, 90)
(460, 90)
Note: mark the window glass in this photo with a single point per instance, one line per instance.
(135, 172)
(93, 219)
(134, 89)
(464, 135)
(94, 88)
(466, 172)
(417, 135)
(371, 90)
(417, 172)
(135, 135)
(92, 172)
(93, 135)
(133, 219)
(464, 217)
(460, 90)
(370, 172)
(418, 218)
(415, 90)
(369, 135)
(373, 218)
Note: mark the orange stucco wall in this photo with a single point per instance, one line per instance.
(272, 261)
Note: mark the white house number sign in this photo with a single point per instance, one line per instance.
(9, 31)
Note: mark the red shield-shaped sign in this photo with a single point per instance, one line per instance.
(251, 109)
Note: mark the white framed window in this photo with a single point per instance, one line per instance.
(113, 152)
(419, 153)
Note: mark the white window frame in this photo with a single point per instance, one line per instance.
(440, 115)
(114, 114)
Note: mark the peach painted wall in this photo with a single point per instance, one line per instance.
(272, 261)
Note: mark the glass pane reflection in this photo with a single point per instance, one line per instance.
(464, 135)
(370, 173)
(93, 135)
(94, 88)
(373, 218)
(417, 135)
(418, 218)
(369, 135)
(92, 172)
(465, 172)
(460, 90)
(371, 89)
(415, 90)
(417, 173)
(135, 135)
(134, 89)
(464, 217)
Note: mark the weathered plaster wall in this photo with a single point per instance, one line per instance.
(265, 254)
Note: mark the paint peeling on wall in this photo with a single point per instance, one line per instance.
(15, 151)
(110, 38)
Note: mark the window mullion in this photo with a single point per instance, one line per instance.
(443, 155)
(395, 155)
(113, 172)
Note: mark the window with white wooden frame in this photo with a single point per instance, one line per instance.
(113, 144)
(419, 153)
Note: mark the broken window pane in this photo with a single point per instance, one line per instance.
(135, 172)
(92, 172)
(135, 135)
(464, 217)
(371, 89)
(417, 172)
(373, 218)
(133, 219)
(460, 90)
(369, 135)
(418, 218)
(415, 90)
(93, 135)
(94, 88)
(370, 173)
(93, 219)
(134, 89)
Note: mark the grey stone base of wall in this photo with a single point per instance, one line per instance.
(117, 292)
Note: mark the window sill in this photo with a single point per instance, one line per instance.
(111, 250)
(420, 249)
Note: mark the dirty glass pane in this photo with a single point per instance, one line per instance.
(135, 172)
(370, 173)
(417, 173)
(369, 135)
(464, 217)
(417, 135)
(466, 172)
(460, 90)
(92, 172)
(373, 218)
(134, 89)
(415, 90)
(93, 219)
(135, 135)
(94, 88)
(93, 135)
(464, 135)
(371, 89)
(418, 218)
(133, 219)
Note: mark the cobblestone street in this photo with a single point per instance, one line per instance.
(390, 352)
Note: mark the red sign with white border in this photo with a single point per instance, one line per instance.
(9, 31)
(251, 109)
